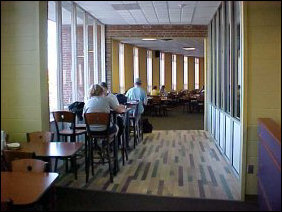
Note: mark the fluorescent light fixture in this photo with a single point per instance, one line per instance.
(149, 39)
(189, 48)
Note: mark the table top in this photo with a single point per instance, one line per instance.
(51, 149)
(25, 187)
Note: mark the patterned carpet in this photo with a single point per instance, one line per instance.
(180, 163)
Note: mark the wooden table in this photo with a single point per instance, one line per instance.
(25, 188)
(53, 150)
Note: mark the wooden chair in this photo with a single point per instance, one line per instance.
(135, 119)
(40, 137)
(68, 125)
(156, 101)
(67, 122)
(29, 165)
(93, 136)
(11, 155)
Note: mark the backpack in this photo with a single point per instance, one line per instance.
(77, 108)
(122, 99)
(147, 126)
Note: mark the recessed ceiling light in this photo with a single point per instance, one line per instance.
(189, 48)
(149, 39)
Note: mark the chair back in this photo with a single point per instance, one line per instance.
(64, 117)
(28, 165)
(156, 100)
(11, 155)
(135, 107)
(96, 119)
(40, 137)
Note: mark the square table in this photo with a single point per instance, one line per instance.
(53, 150)
(25, 188)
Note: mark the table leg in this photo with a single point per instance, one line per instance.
(73, 161)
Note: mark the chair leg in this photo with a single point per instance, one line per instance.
(109, 160)
(124, 146)
(134, 132)
(91, 157)
(56, 165)
(87, 158)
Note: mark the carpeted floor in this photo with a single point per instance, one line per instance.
(178, 120)
(183, 163)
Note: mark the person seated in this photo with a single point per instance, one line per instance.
(137, 93)
(99, 103)
(163, 91)
(107, 93)
(114, 98)
(154, 92)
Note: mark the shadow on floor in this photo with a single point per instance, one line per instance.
(69, 199)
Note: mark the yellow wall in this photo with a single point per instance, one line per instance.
(142, 67)
(128, 62)
(179, 72)
(156, 70)
(115, 66)
(191, 73)
(168, 57)
(24, 83)
(128, 66)
(263, 70)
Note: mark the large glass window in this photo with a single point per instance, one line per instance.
(237, 60)
(173, 72)
(80, 54)
(72, 53)
(99, 52)
(121, 68)
(90, 31)
(185, 72)
(162, 69)
(227, 58)
(52, 57)
(67, 53)
(197, 74)
(136, 62)
(149, 71)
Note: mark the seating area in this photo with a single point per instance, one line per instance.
(143, 105)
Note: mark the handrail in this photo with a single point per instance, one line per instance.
(272, 127)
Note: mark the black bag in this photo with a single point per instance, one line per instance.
(77, 108)
(122, 99)
(147, 127)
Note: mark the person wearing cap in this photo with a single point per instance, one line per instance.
(137, 93)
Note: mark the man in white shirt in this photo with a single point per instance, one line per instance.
(108, 94)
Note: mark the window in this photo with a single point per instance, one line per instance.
(197, 72)
(237, 61)
(121, 68)
(173, 72)
(103, 65)
(80, 55)
(227, 56)
(67, 57)
(162, 69)
(99, 64)
(72, 53)
(136, 62)
(90, 32)
(185, 73)
(52, 57)
(149, 72)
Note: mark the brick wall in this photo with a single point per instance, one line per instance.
(158, 31)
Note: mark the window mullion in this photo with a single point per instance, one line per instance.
(103, 68)
(74, 53)
(86, 69)
(59, 52)
(96, 75)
